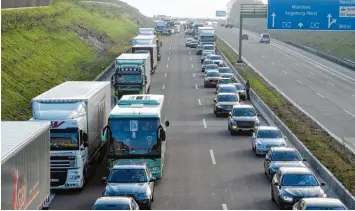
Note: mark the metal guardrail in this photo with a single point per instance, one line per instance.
(332, 182)
(341, 61)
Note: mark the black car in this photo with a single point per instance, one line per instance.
(291, 184)
(224, 103)
(278, 157)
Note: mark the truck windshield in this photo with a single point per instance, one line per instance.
(128, 79)
(142, 42)
(207, 38)
(133, 136)
(64, 140)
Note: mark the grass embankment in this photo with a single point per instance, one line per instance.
(70, 40)
(340, 44)
(312, 136)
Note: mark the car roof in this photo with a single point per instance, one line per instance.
(226, 94)
(208, 45)
(243, 106)
(323, 202)
(212, 70)
(295, 170)
(129, 165)
(226, 85)
(267, 128)
(283, 149)
(224, 68)
(113, 200)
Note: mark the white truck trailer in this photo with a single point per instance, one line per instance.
(25, 165)
(78, 111)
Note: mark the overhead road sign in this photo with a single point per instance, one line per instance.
(314, 15)
(220, 13)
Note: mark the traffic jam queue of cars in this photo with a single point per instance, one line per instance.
(292, 183)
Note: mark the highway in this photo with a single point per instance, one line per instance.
(322, 88)
(205, 167)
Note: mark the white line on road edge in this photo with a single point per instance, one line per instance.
(299, 81)
(272, 63)
(284, 71)
(224, 206)
(320, 95)
(212, 157)
(165, 75)
(169, 52)
(330, 83)
(196, 86)
(204, 123)
(167, 66)
(311, 72)
(163, 86)
(296, 64)
(194, 75)
(199, 102)
(168, 58)
(349, 113)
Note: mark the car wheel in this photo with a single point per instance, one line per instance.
(217, 115)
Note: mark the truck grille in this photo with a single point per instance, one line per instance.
(58, 177)
(245, 124)
(62, 161)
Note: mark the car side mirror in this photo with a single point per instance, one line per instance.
(152, 179)
(258, 115)
(276, 183)
(322, 184)
(162, 134)
(167, 123)
(304, 159)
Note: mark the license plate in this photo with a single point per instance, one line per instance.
(54, 180)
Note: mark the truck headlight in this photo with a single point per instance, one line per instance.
(155, 168)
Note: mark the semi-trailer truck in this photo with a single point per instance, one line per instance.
(78, 111)
(132, 74)
(25, 165)
(153, 50)
(145, 31)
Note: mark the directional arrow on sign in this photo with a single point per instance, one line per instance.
(330, 22)
(273, 19)
(300, 24)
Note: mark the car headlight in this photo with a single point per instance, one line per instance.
(259, 145)
(155, 168)
(287, 198)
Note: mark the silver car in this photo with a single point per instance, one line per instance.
(217, 59)
(209, 67)
(224, 103)
(115, 203)
(241, 90)
(243, 118)
(204, 56)
(205, 63)
(226, 72)
(211, 78)
(266, 137)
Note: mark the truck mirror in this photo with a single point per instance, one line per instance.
(86, 144)
(162, 134)
(167, 123)
(103, 135)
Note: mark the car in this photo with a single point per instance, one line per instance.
(224, 81)
(226, 72)
(205, 63)
(199, 49)
(224, 103)
(228, 25)
(265, 137)
(291, 184)
(209, 67)
(211, 78)
(115, 203)
(243, 118)
(134, 179)
(319, 204)
(264, 38)
(245, 37)
(193, 44)
(227, 88)
(217, 59)
(205, 54)
(209, 47)
(188, 41)
(278, 157)
(222, 25)
(241, 90)
(172, 31)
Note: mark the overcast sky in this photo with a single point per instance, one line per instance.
(179, 8)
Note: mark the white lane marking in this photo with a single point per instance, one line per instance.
(320, 95)
(165, 75)
(194, 75)
(167, 66)
(192, 66)
(284, 71)
(163, 86)
(199, 102)
(272, 63)
(169, 52)
(330, 83)
(204, 123)
(170, 47)
(263, 57)
(224, 206)
(212, 157)
(168, 58)
(196, 86)
(190, 58)
(299, 81)
(189, 52)
(353, 95)
(349, 113)
(296, 64)
(311, 72)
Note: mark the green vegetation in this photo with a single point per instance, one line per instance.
(313, 137)
(70, 40)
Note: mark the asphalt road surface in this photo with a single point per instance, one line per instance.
(205, 167)
(322, 88)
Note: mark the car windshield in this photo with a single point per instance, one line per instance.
(213, 74)
(215, 57)
(225, 80)
(227, 98)
(205, 54)
(111, 207)
(208, 67)
(207, 62)
(227, 89)
(127, 176)
(128, 79)
(286, 156)
(244, 112)
(239, 86)
(299, 180)
(225, 70)
(266, 36)
(325, 208)
(208, 47)
(269, 134)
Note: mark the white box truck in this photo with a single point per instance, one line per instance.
(25, 167)
(78, 111)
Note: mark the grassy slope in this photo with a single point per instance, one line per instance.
(311, 135)
(42, 47)
(341, 44)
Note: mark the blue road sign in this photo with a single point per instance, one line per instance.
(317, 15)
(221, 13)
